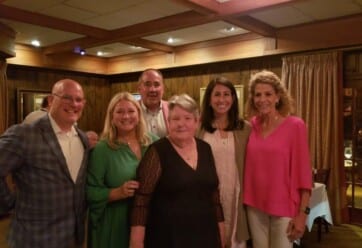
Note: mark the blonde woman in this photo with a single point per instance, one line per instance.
(112, 170)
(277, 177)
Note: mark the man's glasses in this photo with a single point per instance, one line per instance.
(69, 99)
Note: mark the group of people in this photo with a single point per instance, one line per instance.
(163, 173)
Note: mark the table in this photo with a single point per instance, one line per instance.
(319, 205)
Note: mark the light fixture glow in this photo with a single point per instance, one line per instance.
(35, 43)
(170, 40)
(82, 52)
(99, 53)
(230, 29)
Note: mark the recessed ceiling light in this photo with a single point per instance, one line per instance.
(230, 29)
(99, 53)
(35, 43)
(82, 52)
(170, 40)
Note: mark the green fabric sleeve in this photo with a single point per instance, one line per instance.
(97, 191)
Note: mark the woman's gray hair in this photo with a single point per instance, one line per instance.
(185, 102)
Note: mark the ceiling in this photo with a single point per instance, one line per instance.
(124, 27)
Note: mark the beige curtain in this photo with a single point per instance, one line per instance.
(315, 81)
(4, 101)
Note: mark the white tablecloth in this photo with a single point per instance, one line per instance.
(319, 205)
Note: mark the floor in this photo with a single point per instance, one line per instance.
(342, 236)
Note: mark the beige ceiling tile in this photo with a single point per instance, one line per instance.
(31, 5)
(46, 36)
(102, 7)
(138, 13)
(324, 9)
(67, 13)
(281, 16)
(195, 34)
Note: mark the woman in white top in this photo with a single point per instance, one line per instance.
(227, 134)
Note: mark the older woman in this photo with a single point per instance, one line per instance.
(227, 135)
(177, 204)
(278, 181)
(112, 170)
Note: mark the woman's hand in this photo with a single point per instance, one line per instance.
(296, 227)
(124, 191)
(129, 188)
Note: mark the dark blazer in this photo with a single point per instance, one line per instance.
(49, 208)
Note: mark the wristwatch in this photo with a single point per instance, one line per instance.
(306, 210)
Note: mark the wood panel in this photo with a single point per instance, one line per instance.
(190, 79)
(353, 69)
(96, 90)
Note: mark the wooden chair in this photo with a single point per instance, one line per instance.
(322, 176)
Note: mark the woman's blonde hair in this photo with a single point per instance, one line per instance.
(110, 132)
(285, 104)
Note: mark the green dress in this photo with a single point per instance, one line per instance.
(108, 223)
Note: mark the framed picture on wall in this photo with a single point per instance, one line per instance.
(239, 92)
(29, 100)
(137, 96)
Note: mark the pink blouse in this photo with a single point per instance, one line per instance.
(276, 167)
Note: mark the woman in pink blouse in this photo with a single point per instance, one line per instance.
(277, 177)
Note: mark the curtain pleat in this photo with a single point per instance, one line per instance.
(314, 82)
(4, 100)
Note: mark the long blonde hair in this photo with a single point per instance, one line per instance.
(285, 106)
(110, 133)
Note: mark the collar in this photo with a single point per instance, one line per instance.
(144, 108)
(57, 129)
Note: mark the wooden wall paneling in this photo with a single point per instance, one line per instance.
(352, 63)
(190, 79)
(96, 89)
(99, 89)
(97, 94)
(131, 87)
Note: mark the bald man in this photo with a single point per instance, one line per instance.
(47, 159)
(155, 110)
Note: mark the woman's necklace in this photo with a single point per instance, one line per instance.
(270, 124)
(224, 137)
(133, 144)
(220, 126)
(187, 152)
(271, 121)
